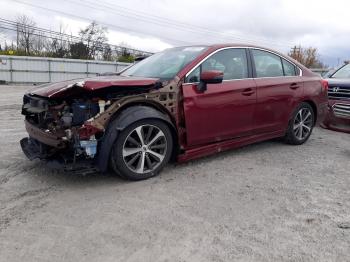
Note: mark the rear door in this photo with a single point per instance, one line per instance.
(279, 88)
(224, 110)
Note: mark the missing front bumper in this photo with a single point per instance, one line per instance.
(33, 149)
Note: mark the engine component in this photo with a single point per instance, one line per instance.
(67, 119)
(102, 105)
(87, 131)
(34, 105)
(68, 134)
(83, 111)
(89, 147)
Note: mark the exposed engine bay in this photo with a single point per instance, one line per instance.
(64, 119)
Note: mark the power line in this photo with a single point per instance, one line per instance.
(59, 34)
(116, 48)
(99, 22)
(133, 30)
(36, 34)
(165, 22)
(41, 32)
(13, 23)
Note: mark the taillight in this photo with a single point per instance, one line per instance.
(324, 85)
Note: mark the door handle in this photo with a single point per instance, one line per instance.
(248, 92)
(294, 86)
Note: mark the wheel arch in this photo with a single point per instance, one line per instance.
(314, 108)
(127, 115)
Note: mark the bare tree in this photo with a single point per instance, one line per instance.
(107, 53)
(306, 56)
(94, 36)
(58, 46)
(25, 33)
(39, 43)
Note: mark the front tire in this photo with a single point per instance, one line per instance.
(301, 125)
(142, 149)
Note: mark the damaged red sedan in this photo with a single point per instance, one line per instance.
(181, 104)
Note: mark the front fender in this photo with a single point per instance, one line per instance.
(124, 119)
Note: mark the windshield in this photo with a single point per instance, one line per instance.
(165, 65)
(343, 72)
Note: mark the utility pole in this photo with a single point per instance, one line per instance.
(17, 36)
(295, 53)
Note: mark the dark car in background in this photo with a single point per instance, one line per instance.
(182, 103)
(338, 117)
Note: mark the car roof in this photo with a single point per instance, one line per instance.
(212, 47)
(223, 45)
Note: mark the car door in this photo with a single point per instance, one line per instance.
(279, 88)
(224, 110)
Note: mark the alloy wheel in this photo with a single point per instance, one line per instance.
(303, 123)
(144, 149)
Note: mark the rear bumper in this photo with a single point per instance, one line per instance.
(337, 118)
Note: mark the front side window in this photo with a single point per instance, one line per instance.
(343, 72)
(232, 62)
(267, 64)
(165, 65)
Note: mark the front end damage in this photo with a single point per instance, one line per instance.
(56, 129)
(66, 125)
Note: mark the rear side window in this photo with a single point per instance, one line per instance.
(232, 62)
(289, 68)
(267, 64)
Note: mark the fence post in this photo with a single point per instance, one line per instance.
(11, 69)
(116, 66)
(87, 69)
(49, 70)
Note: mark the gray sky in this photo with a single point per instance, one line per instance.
(153, 25)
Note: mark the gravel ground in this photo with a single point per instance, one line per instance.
(264, 202)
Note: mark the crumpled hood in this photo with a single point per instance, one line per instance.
(59, 89)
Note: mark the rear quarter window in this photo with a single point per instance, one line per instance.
(267, 64)
(289, 68)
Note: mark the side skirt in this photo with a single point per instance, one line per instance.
(210, 149)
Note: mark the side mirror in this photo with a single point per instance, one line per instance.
(209, 77)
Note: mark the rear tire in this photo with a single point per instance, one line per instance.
(301, 125)
(142, 149)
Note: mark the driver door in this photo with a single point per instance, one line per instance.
(224, 110)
